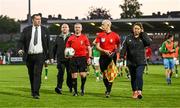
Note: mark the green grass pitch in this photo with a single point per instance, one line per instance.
(15, 90)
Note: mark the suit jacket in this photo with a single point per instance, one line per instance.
(25, 39)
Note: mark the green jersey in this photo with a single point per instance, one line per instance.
(95, 52)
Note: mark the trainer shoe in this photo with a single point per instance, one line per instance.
(58, 90)
(135, 95)
(139, 94)
(107, 94)
(168, 80)
(128, 77)
(176, 75)
(97, 79)
(45, 77)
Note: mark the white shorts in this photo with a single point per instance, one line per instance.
(95, 61)
(176, 61)
(120, 64)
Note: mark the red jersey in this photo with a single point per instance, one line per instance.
(148, 52)
(108, 41)
(79, 44)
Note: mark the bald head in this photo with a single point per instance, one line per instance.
(65, 28)
(78, 28)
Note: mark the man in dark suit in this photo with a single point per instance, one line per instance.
(62, 62)
(34, 44)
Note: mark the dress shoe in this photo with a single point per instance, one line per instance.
(58, 90)
(75, 94)
(107, 94)
(36, 97)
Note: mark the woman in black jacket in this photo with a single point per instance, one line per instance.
(134, 46)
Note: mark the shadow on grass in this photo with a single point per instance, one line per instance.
(14, 94)
(6, 81)
(21, 89)
(67, 93)
(43, 91)
(103, 95)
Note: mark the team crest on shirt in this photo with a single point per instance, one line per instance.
(111, 40)
(81, 42)
(103, 39)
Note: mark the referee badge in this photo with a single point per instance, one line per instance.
(111, 40)
(103, 39)
(81, 42)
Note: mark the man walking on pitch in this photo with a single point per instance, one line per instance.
(34, 44)
(168, 50)
(62, 62)
(78, 63)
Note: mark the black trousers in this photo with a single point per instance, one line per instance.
(62, 65)
(34, 64)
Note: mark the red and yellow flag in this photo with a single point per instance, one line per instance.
(111, 71)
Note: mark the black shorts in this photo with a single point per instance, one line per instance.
(104, 61)
(78, 64)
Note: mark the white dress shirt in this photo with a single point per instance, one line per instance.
(35, 49)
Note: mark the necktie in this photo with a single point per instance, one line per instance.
(36, 36)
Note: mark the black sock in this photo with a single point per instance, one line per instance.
(83, 81)
(176, 69)
(105, 83)
(109, 86)
(59, 84)
(74, 84)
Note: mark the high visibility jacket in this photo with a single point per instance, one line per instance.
(168, 46)
(177, 51)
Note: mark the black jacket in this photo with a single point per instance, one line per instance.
(135, 49)
(25, 39)
(59, 47)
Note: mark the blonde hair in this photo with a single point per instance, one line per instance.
(108, 22)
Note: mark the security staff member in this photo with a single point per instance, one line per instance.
(62, 62)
